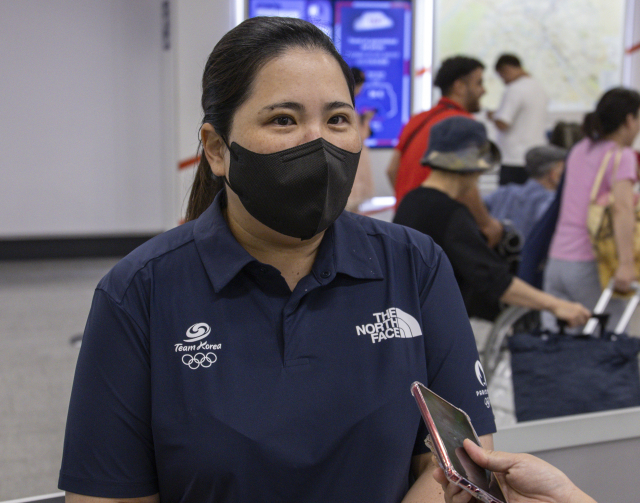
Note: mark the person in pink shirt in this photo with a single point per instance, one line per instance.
(571, 272)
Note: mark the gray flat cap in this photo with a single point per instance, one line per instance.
(539, 160)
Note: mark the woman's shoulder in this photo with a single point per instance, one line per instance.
(629, 156)
(120, 277)
(581, 149)
(626, 158)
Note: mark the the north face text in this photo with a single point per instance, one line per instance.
(390, 324)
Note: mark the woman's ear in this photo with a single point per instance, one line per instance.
(214, 149)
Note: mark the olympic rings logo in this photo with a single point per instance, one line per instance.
(199, 360)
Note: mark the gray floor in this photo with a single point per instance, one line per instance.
(42, 304)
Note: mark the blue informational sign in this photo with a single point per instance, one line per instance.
(318, 12)
(376, 37)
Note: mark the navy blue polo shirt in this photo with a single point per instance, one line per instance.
(203, 377)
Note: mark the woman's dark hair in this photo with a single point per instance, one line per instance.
(358, 75)
(229, 75)
(611, 112)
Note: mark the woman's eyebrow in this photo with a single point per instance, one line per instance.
(338, 104)
(299, 107)
(292, 105)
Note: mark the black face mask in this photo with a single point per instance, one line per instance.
(299, 191)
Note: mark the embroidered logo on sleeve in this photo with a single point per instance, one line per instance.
(480, 373)
(197, 351)
(482, 379)
(393, 323)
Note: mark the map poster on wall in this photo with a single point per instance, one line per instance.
(318, 12)
(376, 37)
(573, 47)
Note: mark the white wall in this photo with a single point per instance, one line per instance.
(199, 24)
(83, 123)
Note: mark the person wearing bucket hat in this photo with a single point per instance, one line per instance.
(524, 204)
(460, 145)
(459, 151)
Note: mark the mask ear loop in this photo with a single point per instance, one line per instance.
(232, 154)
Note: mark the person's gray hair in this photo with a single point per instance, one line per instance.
(540, 160)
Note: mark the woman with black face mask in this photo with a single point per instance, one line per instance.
(264, 350)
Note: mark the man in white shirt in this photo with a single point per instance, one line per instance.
(521, 118)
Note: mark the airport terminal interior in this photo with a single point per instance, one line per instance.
(100, 147)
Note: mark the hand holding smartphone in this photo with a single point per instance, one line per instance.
(448, 427)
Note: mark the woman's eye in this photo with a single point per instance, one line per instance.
(283, 121)
(338, 119)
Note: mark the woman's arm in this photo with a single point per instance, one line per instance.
(522, 294)
(426, 489)
(78, 498)
(393, 167)
(423, 490)
(623, 230)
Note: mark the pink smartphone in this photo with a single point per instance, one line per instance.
(448, 427)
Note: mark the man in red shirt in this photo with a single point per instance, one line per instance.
(460, 80)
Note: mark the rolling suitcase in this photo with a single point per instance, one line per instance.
(557, 374)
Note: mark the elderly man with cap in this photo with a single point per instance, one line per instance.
(458, 153)
(524, 204)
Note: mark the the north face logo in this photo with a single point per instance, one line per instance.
(390, 324)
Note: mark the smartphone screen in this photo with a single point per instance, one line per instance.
(453, 426)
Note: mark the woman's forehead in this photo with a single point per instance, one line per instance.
(301, 71)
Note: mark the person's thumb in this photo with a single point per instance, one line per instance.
(494, 461)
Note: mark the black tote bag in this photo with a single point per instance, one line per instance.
(556, 374)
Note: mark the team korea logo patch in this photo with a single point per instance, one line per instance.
(196, 351)
(393, 323)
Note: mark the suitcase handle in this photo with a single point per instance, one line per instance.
(602, 303)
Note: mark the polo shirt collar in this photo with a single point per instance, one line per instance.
(223, 257)
(345, 249)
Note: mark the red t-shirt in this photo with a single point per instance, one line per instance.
(413, 143)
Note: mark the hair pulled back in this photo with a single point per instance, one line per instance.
(611, 112)
(228, 77)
